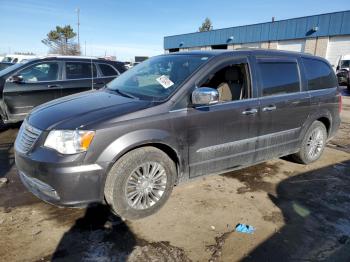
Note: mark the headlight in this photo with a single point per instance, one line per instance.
(69, 141)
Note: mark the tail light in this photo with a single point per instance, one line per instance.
(340, 103)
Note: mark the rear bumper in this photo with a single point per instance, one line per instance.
(72, 186)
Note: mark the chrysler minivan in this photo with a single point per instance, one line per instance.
(173, 118)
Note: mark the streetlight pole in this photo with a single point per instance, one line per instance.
(78, 13)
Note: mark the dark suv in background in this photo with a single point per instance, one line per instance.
(173, 118)
(24, 86)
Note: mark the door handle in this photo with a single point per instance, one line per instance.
(251, 111)
(98, 83)
(269, 108)
(53, 86)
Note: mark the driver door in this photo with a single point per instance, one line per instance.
(224, 135)
(34, 85)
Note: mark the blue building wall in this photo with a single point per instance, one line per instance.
(328, 25)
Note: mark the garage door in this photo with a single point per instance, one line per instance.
(292, 45)
(337, 46)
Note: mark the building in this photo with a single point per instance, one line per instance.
(325, 35)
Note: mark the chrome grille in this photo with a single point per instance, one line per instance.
(26, 137)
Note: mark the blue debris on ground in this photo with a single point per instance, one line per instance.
(243, 228)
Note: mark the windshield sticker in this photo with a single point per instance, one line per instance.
(165, 81)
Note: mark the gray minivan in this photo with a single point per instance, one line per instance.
(176, 117)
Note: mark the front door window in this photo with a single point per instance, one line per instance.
(40, 72)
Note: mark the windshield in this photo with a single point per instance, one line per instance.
(13, 67)
(9, 69)
(158, 77)
(345, 64)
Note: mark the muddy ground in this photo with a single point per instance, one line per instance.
(301, 213)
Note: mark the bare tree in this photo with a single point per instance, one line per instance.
(61, 41)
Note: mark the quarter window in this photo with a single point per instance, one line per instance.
(279, 78)
(78, 70)
(319, 75)
(107, 70)
(40, 72)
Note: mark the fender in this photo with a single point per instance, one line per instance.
(321, 113)
(138, 138)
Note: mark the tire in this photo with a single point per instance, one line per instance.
(125, 176)
(2, 124)
(313, 144)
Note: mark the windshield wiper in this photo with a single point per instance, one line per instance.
(123, 93)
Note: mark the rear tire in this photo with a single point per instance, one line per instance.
(140, 183)
(312, 145)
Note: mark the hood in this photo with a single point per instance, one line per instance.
(83, 110)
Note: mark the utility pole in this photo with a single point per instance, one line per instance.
(85, 48)
(78, 13)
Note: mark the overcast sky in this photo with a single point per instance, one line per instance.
(137, 27)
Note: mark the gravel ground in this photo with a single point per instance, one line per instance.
(301, 213)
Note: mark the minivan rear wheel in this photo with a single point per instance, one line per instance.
(313, 144)
(140, 183)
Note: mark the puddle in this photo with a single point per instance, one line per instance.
(253, 177)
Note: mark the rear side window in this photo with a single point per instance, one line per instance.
(279, 78)
(79, 70)
(319, 75)
(107, 70)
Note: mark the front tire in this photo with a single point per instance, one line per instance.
(313, 144)
(2, 124)
(140, 183)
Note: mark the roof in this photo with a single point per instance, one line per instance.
(78, 58)
(330, 24)
(254, 51)
(345, 57)
(250, 51)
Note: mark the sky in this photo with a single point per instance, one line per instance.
(137, 27)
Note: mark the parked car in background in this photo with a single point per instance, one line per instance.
(4, 65)
(343, 71)
(17, 58)
(176, 117)
(25, 86)
(128, 65)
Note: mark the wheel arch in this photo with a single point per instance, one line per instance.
(327, 123)
(324, 116)
(160, 139)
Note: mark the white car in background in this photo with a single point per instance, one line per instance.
(343, 71)
(17, 58)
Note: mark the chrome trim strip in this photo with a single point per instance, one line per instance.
(82, 168)
(243, 141)
(178, 110)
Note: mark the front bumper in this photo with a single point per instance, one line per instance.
(73, 184)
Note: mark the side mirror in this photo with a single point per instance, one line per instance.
(205, 96)
(16, 79)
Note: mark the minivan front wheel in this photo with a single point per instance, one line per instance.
(140, 182)
(313, 144)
